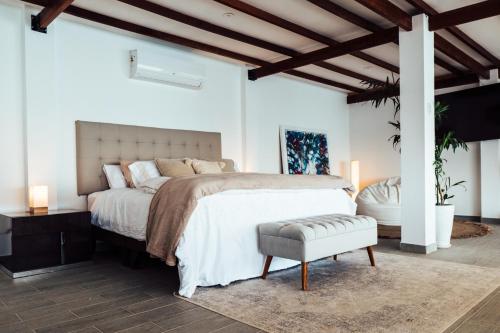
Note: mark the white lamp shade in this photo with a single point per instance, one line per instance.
(355, 175)
(38, 197)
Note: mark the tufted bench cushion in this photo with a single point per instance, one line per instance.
(316, 237)
(312, 238)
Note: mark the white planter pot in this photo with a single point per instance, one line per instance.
(444, 225)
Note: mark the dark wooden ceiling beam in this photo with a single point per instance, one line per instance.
(368, 25)
(389, 11)
(462, 15)
(448, 81)
(356, 44)
(441, 82)
(459, 56)
(213, 28)
(346, 15)
(41, 21)
(170, 38)
(393, 13)
(423, 7)
(293, 27)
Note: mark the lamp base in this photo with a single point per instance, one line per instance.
(39, 210)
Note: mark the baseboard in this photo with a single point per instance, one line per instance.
(489, 220)
(423, 249)
(468, 218)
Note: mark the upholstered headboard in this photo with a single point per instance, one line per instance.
(101, 143)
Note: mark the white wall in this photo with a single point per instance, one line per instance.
(490, 178)
(369, 134)
(276, 101)
(466, 165)
(12, 173)
(93, 85)
(70, 78)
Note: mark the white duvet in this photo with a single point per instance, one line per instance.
(220, 243)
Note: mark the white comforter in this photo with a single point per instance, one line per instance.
(220, 243)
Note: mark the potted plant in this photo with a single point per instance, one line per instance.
(444, 211)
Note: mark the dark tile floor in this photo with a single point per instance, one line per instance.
(105, 297)
(108, 297)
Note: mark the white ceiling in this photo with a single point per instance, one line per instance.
(301, 12)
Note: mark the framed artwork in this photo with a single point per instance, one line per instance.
(304, 151)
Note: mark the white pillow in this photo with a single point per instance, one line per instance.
(142, 171)
(153, 185)
(114, 175)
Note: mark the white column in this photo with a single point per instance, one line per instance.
(416, 61)
(490, 168)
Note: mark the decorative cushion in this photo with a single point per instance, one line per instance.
(126, 172)
(173, 167)
(382, 201)
(312, 228)
(230, 166)
(114, 176)
(142, 171)
(203, 167)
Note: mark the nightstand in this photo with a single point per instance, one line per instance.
(44, 242)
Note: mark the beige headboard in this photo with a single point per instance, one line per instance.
(101, 143)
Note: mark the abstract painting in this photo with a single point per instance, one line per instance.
(304, 152)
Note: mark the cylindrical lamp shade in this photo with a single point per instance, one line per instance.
(39, 199)
(355, 175)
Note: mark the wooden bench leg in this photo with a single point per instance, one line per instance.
(370, 255)
(335, 257)
(266, 266)
(304, 275)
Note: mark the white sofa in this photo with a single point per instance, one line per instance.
(382, 202)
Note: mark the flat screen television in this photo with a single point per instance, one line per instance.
(474, 114)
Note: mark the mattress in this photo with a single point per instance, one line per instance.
(123, 211)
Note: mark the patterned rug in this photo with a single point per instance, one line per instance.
(461, 229)
(401, 294)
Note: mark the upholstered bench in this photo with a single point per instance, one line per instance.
(317, 237)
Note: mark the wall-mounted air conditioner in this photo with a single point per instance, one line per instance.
(165, 69)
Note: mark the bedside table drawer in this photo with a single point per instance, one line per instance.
(34, 225)
(35, 251)
(77, 246)
(34, 242)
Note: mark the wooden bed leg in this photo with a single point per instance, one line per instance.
(266, 267)
(335, 257)
(304, 275)
(370, 255)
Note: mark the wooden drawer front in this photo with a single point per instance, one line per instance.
(77, 246)
(34, 225)
(35, 251)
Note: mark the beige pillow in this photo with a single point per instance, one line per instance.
(173, 167)
(202, 167)
(230, 166)
(126, 172)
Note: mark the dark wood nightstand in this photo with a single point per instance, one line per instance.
(45, 242)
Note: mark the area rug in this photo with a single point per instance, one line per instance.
(461, 229)
(401, 294)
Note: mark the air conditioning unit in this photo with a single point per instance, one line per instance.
(165, 69)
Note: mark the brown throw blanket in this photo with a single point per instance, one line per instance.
(175, 201)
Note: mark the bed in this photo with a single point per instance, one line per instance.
(219, 244)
